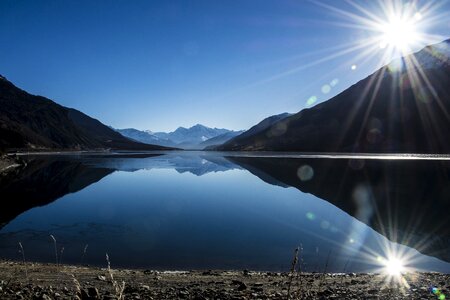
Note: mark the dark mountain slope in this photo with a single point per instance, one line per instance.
(390, 111)
(219, 140)
(258, 128)
(29, 122)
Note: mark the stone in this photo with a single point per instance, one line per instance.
(184, 293)
(93, 293)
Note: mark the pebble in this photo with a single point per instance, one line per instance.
(242, 286)
(93, 292)
(227, 286)
(101, 277)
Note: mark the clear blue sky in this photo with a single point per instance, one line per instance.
(162, 64)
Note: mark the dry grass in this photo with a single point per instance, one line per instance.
(56, 250)
(291, 274)
(119, 288)
(77, 285)
(22, 251)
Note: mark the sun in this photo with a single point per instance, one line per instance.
(399, 33)
(394, 266)
(394, 263)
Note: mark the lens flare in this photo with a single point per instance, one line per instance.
(394, 266)
(399, 32)
(438, 293)
(311, 100)
(394, 263)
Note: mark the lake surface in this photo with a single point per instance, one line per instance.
(203, 210)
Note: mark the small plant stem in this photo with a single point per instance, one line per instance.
(23, 259)
(84, 254)
(299, 272)
(345, 270)
(291, 275)
(325, 269)
(56, 250)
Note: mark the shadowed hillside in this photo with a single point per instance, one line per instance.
(402, 108)
(29, 122)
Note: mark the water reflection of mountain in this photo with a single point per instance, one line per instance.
(202, 164)
(43, 181)
(48, 178)
(407, 201)
(195, 163)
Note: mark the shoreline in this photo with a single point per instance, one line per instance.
(49, 281)
(257, 154)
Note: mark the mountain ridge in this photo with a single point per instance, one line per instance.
(36, 123)
(393, 110)
(262, 125)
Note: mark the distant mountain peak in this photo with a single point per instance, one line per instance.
(186, 138)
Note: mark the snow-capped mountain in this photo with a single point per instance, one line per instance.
(145, 136)
(185, 138)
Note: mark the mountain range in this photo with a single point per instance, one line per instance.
(199, 137)
(196, 137)
(29, 122)
(404, 107)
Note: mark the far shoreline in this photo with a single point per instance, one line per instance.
(256, 154)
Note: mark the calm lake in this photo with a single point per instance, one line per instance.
(204, 210)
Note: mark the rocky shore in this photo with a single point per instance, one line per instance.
(48, 281)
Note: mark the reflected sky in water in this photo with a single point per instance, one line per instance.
(194, 211)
